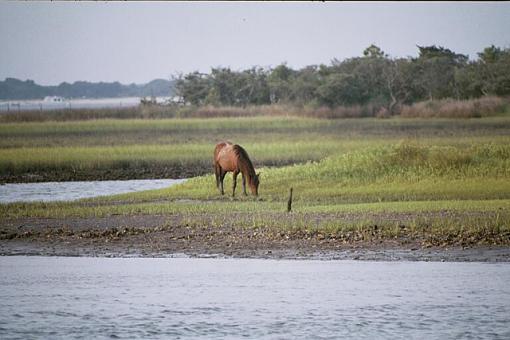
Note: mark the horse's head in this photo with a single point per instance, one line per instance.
(254, 184)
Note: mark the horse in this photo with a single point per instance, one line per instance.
(232, 157)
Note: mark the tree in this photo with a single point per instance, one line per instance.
(495, 71)
(436, 71)
(279, 81)
(304, 85)
(373, 51)
(373, 79)
(193, 87)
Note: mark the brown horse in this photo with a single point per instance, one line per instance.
(232, 157)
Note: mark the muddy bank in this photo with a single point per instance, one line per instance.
(175, 172)
(169, 236)
(123, 172)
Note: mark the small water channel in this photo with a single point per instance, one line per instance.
(69, 191)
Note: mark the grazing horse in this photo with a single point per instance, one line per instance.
(232, 157)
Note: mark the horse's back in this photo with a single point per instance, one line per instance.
(218, 148)
(225, 156)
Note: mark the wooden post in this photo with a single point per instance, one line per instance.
(289, 202)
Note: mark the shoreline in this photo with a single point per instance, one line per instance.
(161, 236)
(457, 255)
(385, 254)
(170, 172)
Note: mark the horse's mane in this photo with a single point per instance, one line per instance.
(245, 160)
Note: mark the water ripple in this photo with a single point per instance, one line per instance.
(69, 191)
(231, 299)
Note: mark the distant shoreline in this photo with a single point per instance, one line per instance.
(22, 105)
(20, 90)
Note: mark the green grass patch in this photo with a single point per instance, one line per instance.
(403, 172)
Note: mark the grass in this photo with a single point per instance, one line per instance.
(445, 179)
(400, 172)
(236, 207)
(391, 179)
(157, 147)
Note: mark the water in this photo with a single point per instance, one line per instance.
(86, 103)
(51, 297)
(68, 191)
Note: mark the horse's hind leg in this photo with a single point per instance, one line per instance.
(222, 177)
(234, 183)
(244, 185)
(217, 171)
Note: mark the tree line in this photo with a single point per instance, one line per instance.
(12, 88)
(372, 79)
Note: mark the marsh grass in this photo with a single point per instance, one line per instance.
(400, 172)
(155, 147)
(434, 223)
(402, 177)
(435, 210)
(443, 181)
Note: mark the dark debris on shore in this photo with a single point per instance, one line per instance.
(162, 236)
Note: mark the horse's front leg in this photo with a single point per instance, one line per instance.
(244, 185)
(234, 182)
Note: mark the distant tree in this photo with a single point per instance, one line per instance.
(253, 87)
(374, 78)
(373, 51)
(436, 71)
(495, 70)
(341, 89)
(356, 80)
(193, 87)
(304, 85)
(470, 80)
(280, 84)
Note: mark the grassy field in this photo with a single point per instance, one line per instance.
(113, 149)
(447, 181)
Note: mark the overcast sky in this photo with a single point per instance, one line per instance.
(53, 42)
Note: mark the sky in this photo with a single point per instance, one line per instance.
(53, 42)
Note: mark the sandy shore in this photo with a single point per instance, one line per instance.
(170, 236)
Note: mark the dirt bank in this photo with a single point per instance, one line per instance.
(167, 236)
(122, 171)
(63, 175)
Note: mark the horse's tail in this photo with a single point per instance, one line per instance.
(217, 169)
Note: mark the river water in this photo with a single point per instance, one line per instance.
(69, 191)
(181, 298)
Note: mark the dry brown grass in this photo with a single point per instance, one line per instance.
(450, 108)
(324, 112)
(445, 108)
